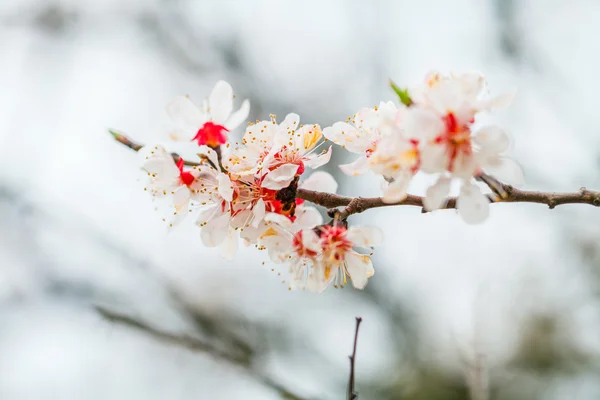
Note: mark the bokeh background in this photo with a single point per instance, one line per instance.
(97, 301)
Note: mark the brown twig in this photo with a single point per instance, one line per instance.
(352, 395)
(124, 140)
(353, 205)
(194, 344)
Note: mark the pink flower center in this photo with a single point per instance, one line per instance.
(457, 138)
(335, 242)
(284, 157)
(211, 134)
(184, 176)
(299, 248)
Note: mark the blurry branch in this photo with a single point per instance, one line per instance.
(352, 395)
(196, 345)
(502, 193)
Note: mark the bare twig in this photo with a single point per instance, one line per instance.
(197, 345)
(352, 395)
(353, 205)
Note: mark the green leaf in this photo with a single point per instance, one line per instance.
(402, 94)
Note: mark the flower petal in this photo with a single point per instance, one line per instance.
(220, 102)
(229, 246)
(181, 197)
(280, 177)
(365, 236)
(281, 220)
(358, 167)
(215, 231)
(500, 101)
(316, 161)
(422, 124)
(436, 195)
(434, 158)
(473, 206)
(360, 268)
(183, 112)
(225, 186)
(239, 116)
(307, 218)
(492, 139)
(397, 189)
(347, 136)
(506, 170)
(320, 181)
(258, 211)
(290, 123)
(207, 214)
(206, 151)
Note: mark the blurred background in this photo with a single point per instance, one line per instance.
(97, 301)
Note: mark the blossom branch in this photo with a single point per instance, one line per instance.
(124, 140)
(194, 344)
(354, 205)
(352, 395)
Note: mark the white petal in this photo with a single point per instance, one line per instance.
(215, 231)
(181, 197)
(365, 236)
(347, 136)
(290, 123)
(225, 186)
(492, 139)
(311, 241)
(229, 246)
(501, 101)
(422, 124)
(280, 177)
(436, 195)
(434, 158)
(360, 268)
(506, 170)
(279, 219)
(320, 181)
(210, 154)
(207, 214)
(358, 167)
(240, 219)
(307, 218)
(160, 166)
(221, 102)
(473, 206)
(259, 210)
(183, 112)
(319, 160)
(397, 189)
(178, 217)
(238, 117)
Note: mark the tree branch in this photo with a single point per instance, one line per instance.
(352, 395)
(197, 345)
(502, 193)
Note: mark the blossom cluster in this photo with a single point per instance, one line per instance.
(247, 190)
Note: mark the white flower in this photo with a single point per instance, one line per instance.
(169, 179)
(322, 255)
(363, 135)
(209, 123)
(397, 159)
(442, 118)
(277, 153)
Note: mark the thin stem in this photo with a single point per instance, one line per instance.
(194, 344)
(352, 395)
